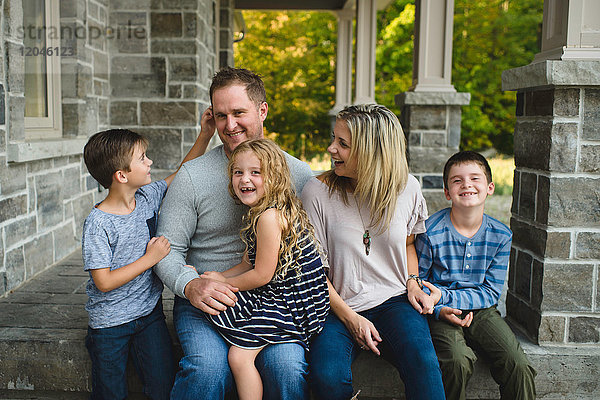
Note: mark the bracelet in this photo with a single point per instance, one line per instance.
(417, 279)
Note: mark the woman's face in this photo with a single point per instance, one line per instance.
(340, 151)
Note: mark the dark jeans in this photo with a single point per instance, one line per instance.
(492, 338)
(406, 344)
(149, 342)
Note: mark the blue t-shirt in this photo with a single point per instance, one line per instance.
(113, 241)
(470, 272)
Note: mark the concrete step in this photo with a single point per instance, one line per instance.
(43, 356)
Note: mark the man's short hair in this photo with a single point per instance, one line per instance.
(109, 151)
(467, 156)
(255, 88)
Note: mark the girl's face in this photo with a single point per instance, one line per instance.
(247, 179)
(340, 151)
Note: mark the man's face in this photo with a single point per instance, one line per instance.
(236, 117)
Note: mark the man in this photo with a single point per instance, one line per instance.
(202, 223)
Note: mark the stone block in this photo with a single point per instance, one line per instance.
(520, 104)
(65, 241)
(522, 314)
(2, 114)
(454, 121)
(39, 253)
(537, 279)
(584, 330)
(435, 200)
(190, 135)
(77, 80)
(528, 237)
(20, 230)
(15, 62)
(122, 22)
(31, 190)
(14, 268)
(130, 45)
(123, 113)
(103, 112)
(414, 138)
(71, 181)
(563, 149)
(189, 25)
(552, 329)
(135, 76)
(13, 19)
(429, 160)
(514, 207)
(130, 4)
(527, 195)
(72, 9)
(433, 182)
(566, 102)
(523, 272)
(100, 65)
(532, 135)
(191, 91)
(96, 36)
(12, 177)
(543, 200)
(182, 69)
(587, 245)
(13, 207)
(175, 91)
(591, 117)
(558, 284)
(510, 275)
(174, 113)
(81, 209)
(589, 159)
(574, 202)
(49, 199)
(166, 25)
(428, 117)
(164, 147)
(558, 245)
(16, 122)
(39, 165)
(539, 102)
(183, 46)
(433, 139)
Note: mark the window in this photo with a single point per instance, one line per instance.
(41, 21)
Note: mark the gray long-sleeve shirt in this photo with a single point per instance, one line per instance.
(202, 221)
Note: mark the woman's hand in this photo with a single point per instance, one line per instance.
(364, 333)
(436, 293)
(420, 300)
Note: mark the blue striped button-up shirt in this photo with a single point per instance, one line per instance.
(470, 272)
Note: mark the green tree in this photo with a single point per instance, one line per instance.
(295, 54)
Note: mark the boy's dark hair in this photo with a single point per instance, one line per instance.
(467, 157)
(108, 151)
(255, 88)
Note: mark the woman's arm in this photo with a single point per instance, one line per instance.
(420, 301)
(362, 330)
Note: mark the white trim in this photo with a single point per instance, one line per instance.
(50, 126)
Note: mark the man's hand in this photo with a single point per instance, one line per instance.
(210, 296)
(450, 315)
(207, 124)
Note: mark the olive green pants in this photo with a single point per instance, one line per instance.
(493, 339)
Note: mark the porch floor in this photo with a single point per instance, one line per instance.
(42, 354)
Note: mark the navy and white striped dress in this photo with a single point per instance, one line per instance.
(292, 309)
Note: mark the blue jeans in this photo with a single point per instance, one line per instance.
(150, 344)
(205, 372)
(406, 345)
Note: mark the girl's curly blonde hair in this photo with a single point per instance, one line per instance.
(279, 193)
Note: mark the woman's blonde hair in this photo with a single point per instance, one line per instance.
(379, 145)
(279, 193)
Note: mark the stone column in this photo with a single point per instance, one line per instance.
(554, 281)
(366, 35)
(343, 63)
(431, 109)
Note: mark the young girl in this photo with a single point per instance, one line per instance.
(283, 290)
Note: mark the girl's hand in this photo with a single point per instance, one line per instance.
(420, 301)
(364, 333)
(214, 275)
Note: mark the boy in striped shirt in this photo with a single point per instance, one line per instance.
(465, 254)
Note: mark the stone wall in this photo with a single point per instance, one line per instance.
(554, 289)
(139, 64)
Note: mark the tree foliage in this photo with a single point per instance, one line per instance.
(295, 53)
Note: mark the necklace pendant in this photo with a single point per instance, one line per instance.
(367, 241)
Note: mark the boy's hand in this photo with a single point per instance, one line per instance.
(450, 315)
(158, 248)
(207, 125)
(214, 275)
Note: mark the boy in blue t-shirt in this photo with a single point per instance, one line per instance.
(465, 254)
(119, 249)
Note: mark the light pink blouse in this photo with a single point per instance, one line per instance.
(364, 281)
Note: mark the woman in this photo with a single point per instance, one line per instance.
(366, 212)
